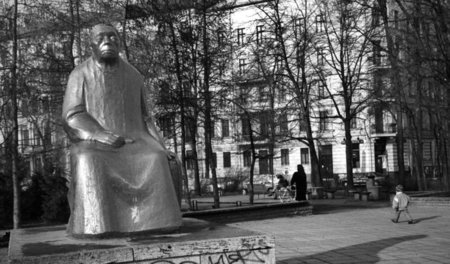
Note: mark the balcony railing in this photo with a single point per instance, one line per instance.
(386, 128)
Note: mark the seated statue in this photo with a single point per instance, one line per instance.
(121, 179)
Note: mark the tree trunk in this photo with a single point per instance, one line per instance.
(316, 174)
(348, 153)
(396, 82)
(14, 119)
(182, 109)
(251, 193)
(208, 108)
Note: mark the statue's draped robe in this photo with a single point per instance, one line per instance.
(126, 189)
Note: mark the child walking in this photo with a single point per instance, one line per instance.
(400, 204)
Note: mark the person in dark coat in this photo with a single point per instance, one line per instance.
(299, 179)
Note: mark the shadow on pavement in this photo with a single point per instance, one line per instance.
(328, 208)
(418, 220)
(366, 253)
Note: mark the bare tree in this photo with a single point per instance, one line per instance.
(291, 26)
(344, 51)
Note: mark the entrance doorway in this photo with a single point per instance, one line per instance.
(380, 155)
(326, 165)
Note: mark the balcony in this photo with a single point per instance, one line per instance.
(383, 130)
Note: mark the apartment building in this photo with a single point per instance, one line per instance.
(262, 101)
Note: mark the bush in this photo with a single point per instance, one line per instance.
(6, 197)
(55, 206)
(45, 198)
(31, 199)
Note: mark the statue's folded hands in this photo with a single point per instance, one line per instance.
(109, 138)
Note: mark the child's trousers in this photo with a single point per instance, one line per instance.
(399, 212)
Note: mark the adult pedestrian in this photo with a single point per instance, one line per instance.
(299, 179)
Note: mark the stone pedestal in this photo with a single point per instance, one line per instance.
(195, 242)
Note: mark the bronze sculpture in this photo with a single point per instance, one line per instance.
(120, 171)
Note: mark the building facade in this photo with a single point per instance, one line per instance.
(261, 99)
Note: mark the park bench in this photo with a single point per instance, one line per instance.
(258, 189)
(365, 195)
(360, 195)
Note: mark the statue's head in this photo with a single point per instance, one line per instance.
(105, 43)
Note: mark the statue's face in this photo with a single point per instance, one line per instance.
(105, 43)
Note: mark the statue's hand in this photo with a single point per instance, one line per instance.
(109, 138)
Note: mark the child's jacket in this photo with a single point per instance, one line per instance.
(400, 201)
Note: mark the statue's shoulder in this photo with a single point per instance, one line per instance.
(80, 69)
(130, 69)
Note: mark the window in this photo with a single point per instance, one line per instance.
(282, 94)
(263, 162)
(220, 37)
(213, 129)
(247, 158)
(376, 52)
(225, 128)
(189, 127)
(354, 120)
(241, 66)
(427, 151)
(190, 160)
(323, 116)
(165, 93)
(36, 137)
(264, 94)
(278, 64)
(226, 159)
(214, 160)
(24, 136)
(166, 124)
(240, 36)
(396, 19)
(376, 14)
(243, 97)
(259, 34)
(280, 28)
(355, 155)
(245, 126)
(304, 155)
(300, 58)
(187, 92)
(264, 124)
(426, 123)
(354, 123)
(45, 104)
(321, 89)
(50, 49)
(284, 129)
(285, 157)
(302, 126)
(221, 67)
(320, 23)
(320, 57)
(298, 26)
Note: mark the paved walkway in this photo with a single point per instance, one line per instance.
(342, 231)
(346, 231)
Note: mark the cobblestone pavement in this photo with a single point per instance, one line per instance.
(342, 231)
